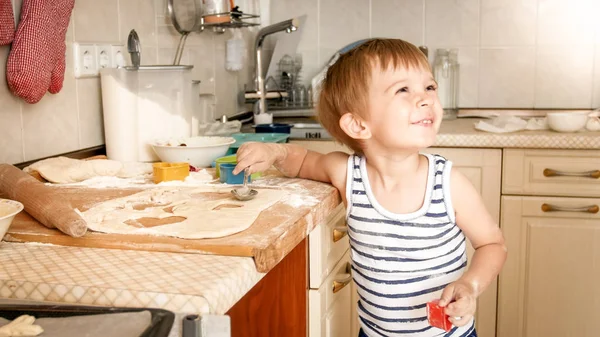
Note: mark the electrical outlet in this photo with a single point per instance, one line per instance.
(104, 56)
(118, 55)
(85, 60)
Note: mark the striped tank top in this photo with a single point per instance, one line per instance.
(402, 261)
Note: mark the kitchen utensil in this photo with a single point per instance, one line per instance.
(8, 210)
(273, 128)
(230, 159)
(170, 171)
(567, 121)
(226, 174)
(437, 317)
(216, 11)
(40, 201)
(198, 151)
(244, 193)
(186, 16)
(133, 47)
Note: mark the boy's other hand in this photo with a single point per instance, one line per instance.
(460, 300)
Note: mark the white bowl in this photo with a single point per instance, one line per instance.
(567, 121)
(8, 210)
(198, 151)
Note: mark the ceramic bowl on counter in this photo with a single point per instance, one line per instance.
(197, 151)
(8, 210)
(567, 121)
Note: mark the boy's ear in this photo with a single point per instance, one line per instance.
(354, 126)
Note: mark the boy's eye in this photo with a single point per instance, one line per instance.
(431, 88)
(403, 89)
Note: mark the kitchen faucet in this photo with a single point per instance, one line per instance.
(288, 26)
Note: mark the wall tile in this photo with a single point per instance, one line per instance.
(203, 59)
(596, 86)
(402, 19)
(454, 23)
(139, 15)
(96, 21)
(507, 77)
(341, 23)
(562, 22)
(11, 133)
(226, 82)
(286, 9)
(564, 77)
(51, 126)
(91, 123)
(508, 22)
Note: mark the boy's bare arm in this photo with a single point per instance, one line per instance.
(294, 161)
(481, 230)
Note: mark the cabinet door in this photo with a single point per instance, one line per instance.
(549, 285)
(330, 312)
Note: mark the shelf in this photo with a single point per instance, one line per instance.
(236, 20)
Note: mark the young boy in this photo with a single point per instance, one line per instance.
(407, 213)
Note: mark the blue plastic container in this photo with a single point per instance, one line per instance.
(241, 138)
(274, 127)
(227, 176)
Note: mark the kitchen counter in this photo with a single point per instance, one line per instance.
(462, 133)
(182, 283)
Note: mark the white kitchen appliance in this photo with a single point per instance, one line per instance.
(142, 104)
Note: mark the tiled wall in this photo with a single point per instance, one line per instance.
(513, 53)
(72, 119)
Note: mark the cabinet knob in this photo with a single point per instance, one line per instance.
(341, 283)
(593, 209)
(595, 174)
(339, 232)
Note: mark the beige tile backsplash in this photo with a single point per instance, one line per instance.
(513, 54)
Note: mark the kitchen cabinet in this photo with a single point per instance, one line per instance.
(483, 168)
(551, 223)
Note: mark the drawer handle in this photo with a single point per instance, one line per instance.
(339, 233)
(586, 209)
(340, 284)
(588, 174)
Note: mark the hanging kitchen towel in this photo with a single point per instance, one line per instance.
(7, 22)
(36, 62)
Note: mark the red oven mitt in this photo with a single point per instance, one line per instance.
(36, 62)
(7, 22)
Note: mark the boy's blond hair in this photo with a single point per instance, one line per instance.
(346, 85)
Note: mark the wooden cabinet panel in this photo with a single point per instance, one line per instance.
(324, 253)
(549, 285)
(276, 305)
(551, 172)
(330, 313)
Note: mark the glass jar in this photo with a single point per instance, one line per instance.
(445, 72)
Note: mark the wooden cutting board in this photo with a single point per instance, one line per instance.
(276, 231)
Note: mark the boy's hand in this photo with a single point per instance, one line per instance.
(257, 157)
(460, 300)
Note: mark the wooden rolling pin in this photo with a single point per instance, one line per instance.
(40, 201)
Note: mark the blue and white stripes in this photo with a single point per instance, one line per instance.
(402, 261)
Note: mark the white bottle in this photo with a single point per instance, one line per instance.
(236, 52)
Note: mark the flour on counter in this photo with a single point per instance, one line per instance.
(144, 181)
(298, 200)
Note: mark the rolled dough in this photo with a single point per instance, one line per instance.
(63, 170)
(204, 217)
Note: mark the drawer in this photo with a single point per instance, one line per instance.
(326, 245)
(550, 172)
(330, 313)
(557, 208)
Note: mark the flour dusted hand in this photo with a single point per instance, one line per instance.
(21, 326)
(257, 157)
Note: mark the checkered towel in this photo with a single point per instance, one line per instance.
(7, 22)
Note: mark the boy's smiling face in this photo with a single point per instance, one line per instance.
(404, 111)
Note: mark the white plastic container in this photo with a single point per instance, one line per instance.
(143, 104)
